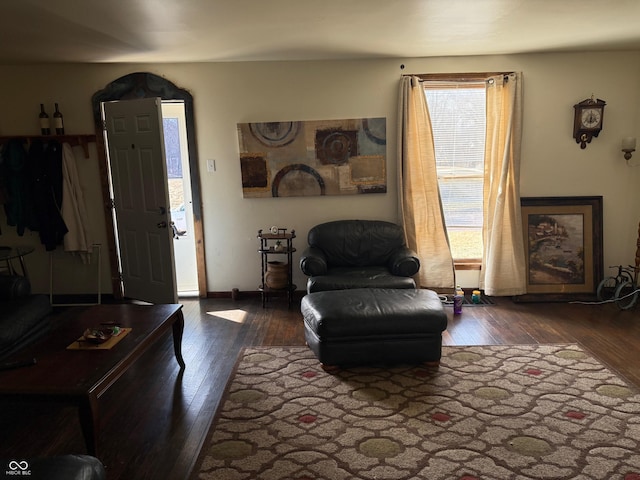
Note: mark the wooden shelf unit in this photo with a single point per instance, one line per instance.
(268, 243)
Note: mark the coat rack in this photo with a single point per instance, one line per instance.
(73, 140)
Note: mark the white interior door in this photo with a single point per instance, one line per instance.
(139, 188)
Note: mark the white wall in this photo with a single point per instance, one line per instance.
(229, 93)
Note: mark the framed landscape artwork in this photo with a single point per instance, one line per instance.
(320, 157)
(563, 247)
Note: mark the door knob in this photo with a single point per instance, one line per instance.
(162, 225)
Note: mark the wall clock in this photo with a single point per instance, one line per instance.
(587, 120)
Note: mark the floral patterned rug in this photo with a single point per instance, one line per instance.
(488, 413)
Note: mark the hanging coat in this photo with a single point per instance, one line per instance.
(74, 212)
(15, 182)
(45, 165)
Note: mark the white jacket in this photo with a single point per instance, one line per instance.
(74, 211)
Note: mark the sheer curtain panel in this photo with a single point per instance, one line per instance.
(420, 203)
(503, 269)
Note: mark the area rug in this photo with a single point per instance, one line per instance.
(488, 413)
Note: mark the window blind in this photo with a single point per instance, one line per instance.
(457, 114)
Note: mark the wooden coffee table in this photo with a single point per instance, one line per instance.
(82, 376)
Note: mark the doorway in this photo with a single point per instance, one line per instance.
(147, 85)
(180, 197)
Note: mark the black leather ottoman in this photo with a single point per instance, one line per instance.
(368, 326)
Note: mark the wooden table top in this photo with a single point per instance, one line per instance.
(62, 372)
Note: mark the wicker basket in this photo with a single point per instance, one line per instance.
(277, 275)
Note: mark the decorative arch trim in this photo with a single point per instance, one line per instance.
(148, 85)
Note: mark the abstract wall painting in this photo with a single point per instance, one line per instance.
(306, 158)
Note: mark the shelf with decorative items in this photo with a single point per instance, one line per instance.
(276, 276)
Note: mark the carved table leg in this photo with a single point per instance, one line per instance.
(90, 423)
(178, 329)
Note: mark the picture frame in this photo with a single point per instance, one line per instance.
(563, 247)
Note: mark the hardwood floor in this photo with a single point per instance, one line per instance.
(155, 418)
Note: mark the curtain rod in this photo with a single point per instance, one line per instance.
(459, 77)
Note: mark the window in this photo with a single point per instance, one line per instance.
(458, 118)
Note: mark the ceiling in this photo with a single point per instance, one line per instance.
(157, 31)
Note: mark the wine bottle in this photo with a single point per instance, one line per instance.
(58, 121)
(45, 128)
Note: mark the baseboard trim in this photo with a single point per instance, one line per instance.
(244, 294)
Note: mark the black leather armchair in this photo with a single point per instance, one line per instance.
(347, 254)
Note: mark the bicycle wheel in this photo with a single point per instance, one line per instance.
(626, 295)
(626, 277)
(607, 289)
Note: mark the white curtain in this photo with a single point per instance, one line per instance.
(503, 262)
(420, 204)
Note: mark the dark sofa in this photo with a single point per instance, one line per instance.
(347, 254)
(24, 317)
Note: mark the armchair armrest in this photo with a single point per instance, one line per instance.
(313, 262)
(13, 287)
(404, 262)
